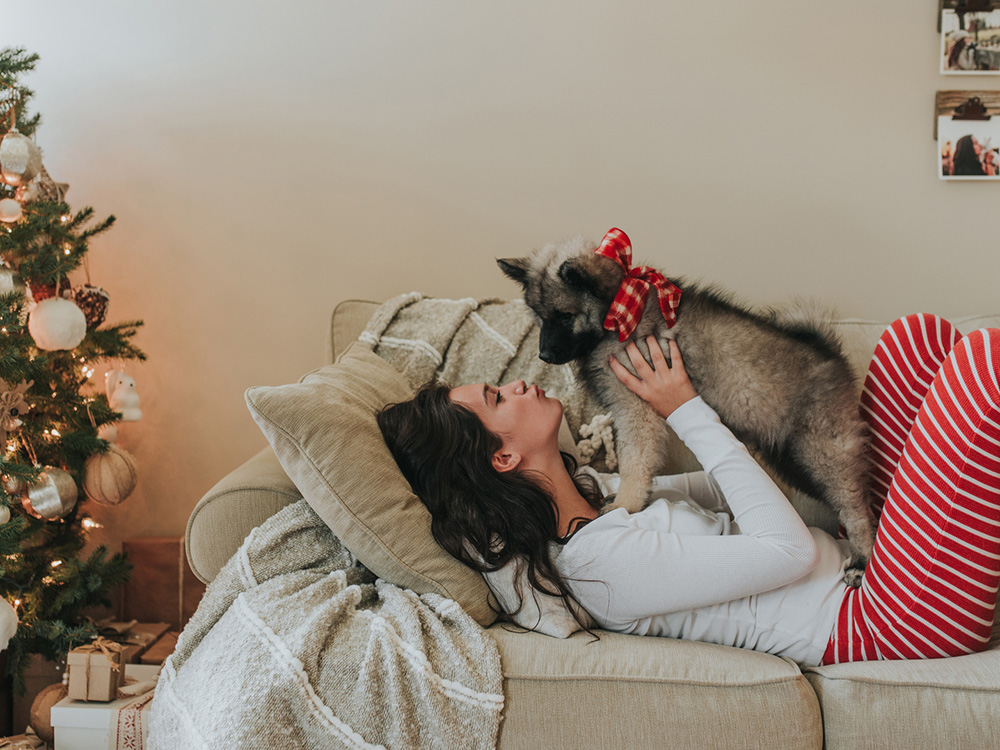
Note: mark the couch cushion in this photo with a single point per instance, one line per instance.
(324, 433)
(650, 692)
(919, 705)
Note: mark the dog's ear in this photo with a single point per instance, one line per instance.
(515, 268)
(592, 274)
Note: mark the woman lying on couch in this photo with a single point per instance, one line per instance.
(721, 556)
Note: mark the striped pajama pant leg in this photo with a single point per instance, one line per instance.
(932, 401)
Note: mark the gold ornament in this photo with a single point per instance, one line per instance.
(52, 495)
(109, 477)
(14, 486)
(20, 159)
(41, 711)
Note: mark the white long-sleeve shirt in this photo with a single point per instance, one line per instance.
(719, 556)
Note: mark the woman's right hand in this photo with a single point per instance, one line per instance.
(663, 386)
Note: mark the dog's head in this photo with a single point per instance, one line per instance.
(569, 289)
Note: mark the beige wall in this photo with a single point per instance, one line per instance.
(266, 162)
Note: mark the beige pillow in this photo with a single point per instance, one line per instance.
(324, 433)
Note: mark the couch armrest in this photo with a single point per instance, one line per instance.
(241, 501)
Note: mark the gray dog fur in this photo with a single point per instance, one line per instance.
(781, 385)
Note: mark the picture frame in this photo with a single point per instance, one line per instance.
(967, 129)
(970, 37)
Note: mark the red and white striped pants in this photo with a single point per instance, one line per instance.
(932, 401)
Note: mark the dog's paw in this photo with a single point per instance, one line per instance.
(853, 575)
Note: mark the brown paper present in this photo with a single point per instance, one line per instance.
(135, 637)
(96, 671)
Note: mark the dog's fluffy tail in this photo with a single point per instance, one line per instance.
(808, 319)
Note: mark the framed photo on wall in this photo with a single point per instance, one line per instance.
(970, 40)
(969, 150)
(967, 130)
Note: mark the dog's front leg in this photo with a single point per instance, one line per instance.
(640, 436)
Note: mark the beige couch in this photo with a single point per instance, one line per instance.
(632, 692)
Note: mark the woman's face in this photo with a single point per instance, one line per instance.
(522, 416)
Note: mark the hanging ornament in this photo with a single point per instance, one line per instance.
(14, 486)
(4, 516)
(122, 396)
(41, 291)
(93, 300)
(8, 622)
(9, 281)
(57, 324)
(20, 159)
(10, 210)
(49, 189)
(109, 477)
(52, 495)
(41, 712)
(12, 405)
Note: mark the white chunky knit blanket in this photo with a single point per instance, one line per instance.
(296, 645)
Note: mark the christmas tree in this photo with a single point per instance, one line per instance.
(57, 420)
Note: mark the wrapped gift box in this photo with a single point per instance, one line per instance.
(135, 637)
(96, 671)
(86, 726)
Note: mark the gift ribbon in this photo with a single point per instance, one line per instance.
(106, 647)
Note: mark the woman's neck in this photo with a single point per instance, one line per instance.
(571, 506)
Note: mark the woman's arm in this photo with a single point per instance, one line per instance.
(648, 571)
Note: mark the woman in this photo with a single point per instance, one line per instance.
(722, 556)
(966, 160)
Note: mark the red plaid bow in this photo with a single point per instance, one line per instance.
(631, 297)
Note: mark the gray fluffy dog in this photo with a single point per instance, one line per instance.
(783, 387)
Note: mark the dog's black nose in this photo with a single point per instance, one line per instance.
(546, 356)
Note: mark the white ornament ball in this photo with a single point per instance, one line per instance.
(56, 324)
(8, 622)
(109, 478)
(20, 159)
(10, 210)
(4, 514)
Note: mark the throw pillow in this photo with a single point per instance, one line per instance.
(324, 433)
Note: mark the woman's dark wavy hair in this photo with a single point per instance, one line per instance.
(965, 160)
(483, 517)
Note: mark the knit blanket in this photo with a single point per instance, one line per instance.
(296, 645)
(463, 341)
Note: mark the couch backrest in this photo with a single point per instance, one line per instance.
(858, 337)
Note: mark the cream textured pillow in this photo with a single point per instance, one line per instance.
(324, 433)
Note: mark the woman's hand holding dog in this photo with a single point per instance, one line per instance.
(663, 386)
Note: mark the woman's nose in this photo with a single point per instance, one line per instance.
(518, 387)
